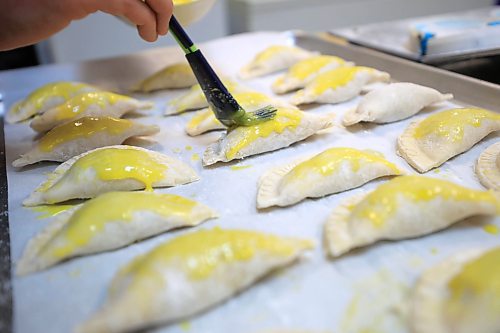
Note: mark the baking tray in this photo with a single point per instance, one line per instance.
(315, 294)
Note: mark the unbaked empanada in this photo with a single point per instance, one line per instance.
(45, 98)
(332, 171)
(110, 221)
(404, 207)
(428, 143)
(289, 126)
(174, 76)
(488, 167)
(393, 102)
(114, 168)
(459, 295)
(189, 274)
(76, 137)
(92, 104)
(338, 85)
(273, 59)
(305, 71)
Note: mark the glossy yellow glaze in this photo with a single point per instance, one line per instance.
(272, 51)
(285, 119)
(379, 205)
(305, 68)
(47, 211)
(336, 78)
(182, 2)
(195, 157)
(202, 117)
(82, 128)
(252, 100)
(239, 167)
(117, 207)
(450, 124)
(80, 103)
(491, 229)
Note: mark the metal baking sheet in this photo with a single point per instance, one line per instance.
(316, 293)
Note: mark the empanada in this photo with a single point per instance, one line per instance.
(110, 221)
(488, 167)
(393, 102)
(305, 71)
(92, 104)
(189, 274)
(289, 126)
(45, 98)
(332, 171)
(404, 207)
(174, 76)
(114, 168)
(459, 295)
(273, 59)
(338, 85)
(79, 136)
(428, 143)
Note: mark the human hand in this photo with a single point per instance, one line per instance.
(26, 22)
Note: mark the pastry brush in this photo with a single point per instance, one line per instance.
(226, 108)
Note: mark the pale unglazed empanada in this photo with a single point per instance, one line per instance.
(332, 171)
(273, 59)
(174, 76)
(45, 98)
(488, 167)
(92, 104)
(189, 274)
(338, 85)
(459, 295)
(393, 102)
(428, 143)
(289, 126)
(305, 71)
(79, 136)
(114, 168)
(109, 221)
(404, 207)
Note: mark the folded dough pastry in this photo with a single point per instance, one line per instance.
(459, 295)
(273, 59)
(289, 126)
(332, 171)
(404, 207)
(338, 85)
(190, 274)
(114, 168)
(174, 76)
(393, 102)
(305, 71)
(107, 222)
(488, 167)
(92, 104)
(45, 98)
(428, 143)
(79, 136)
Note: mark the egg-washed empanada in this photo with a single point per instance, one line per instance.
(189, 274)
(459, 295)
(109, 221)
(114, 168)
(338, 85)
(488, 167)
(174, 76)
(79, 136)
(92, 104)
(45, 98)
(205, 120)
(332, 171)
(305, 71)
(273, 59)
(289, 126)
(393, 102)
(404, 207)
(428, 143)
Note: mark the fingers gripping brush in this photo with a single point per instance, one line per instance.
(226, 108)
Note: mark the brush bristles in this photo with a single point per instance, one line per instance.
(267, 112)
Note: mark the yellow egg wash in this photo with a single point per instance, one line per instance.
(379, 205)
(116, 207)
(336, 78)
(239, 167)
(195, 157)
(182, 2)
(82, 128)
(491, 229)
(47, 211)
(305, 68)
(450, 124)
(272, 51)
(252, 100)
(201, 117)
(285, 119)
(80, 103)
